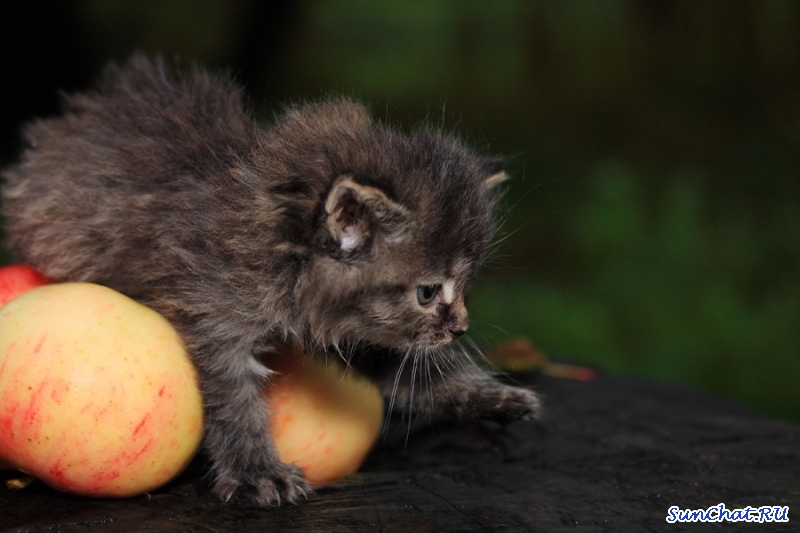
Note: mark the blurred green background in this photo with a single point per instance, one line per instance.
(653, 223)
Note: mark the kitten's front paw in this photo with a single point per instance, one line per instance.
(285, 484)
(506, 404)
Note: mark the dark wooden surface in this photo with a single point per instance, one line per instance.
(612, 455)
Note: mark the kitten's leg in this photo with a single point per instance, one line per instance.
(237, 438)
(449, 385)
(471, 393)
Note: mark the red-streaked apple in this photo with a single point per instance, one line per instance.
(17, 279)
(324, 419)
(97, 394)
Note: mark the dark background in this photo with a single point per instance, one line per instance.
(653, 223)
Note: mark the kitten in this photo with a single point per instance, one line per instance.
(326, 230)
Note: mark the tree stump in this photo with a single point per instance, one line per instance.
(610, 455)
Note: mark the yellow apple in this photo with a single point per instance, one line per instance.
(324, 419)
(97, 394)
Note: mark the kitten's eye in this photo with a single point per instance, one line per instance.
(426, 293)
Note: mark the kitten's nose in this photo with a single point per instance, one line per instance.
(458, 323)
(456, 333)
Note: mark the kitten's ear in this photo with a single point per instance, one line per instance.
(356, 211)
(493, 173)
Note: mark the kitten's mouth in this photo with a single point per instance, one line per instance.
(420, 340)
(434, 341)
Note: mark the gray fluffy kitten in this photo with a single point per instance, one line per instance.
(326, 230)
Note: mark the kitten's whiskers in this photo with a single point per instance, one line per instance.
(411, 412)
(393, 395)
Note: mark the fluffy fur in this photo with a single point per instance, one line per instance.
(320, 230)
